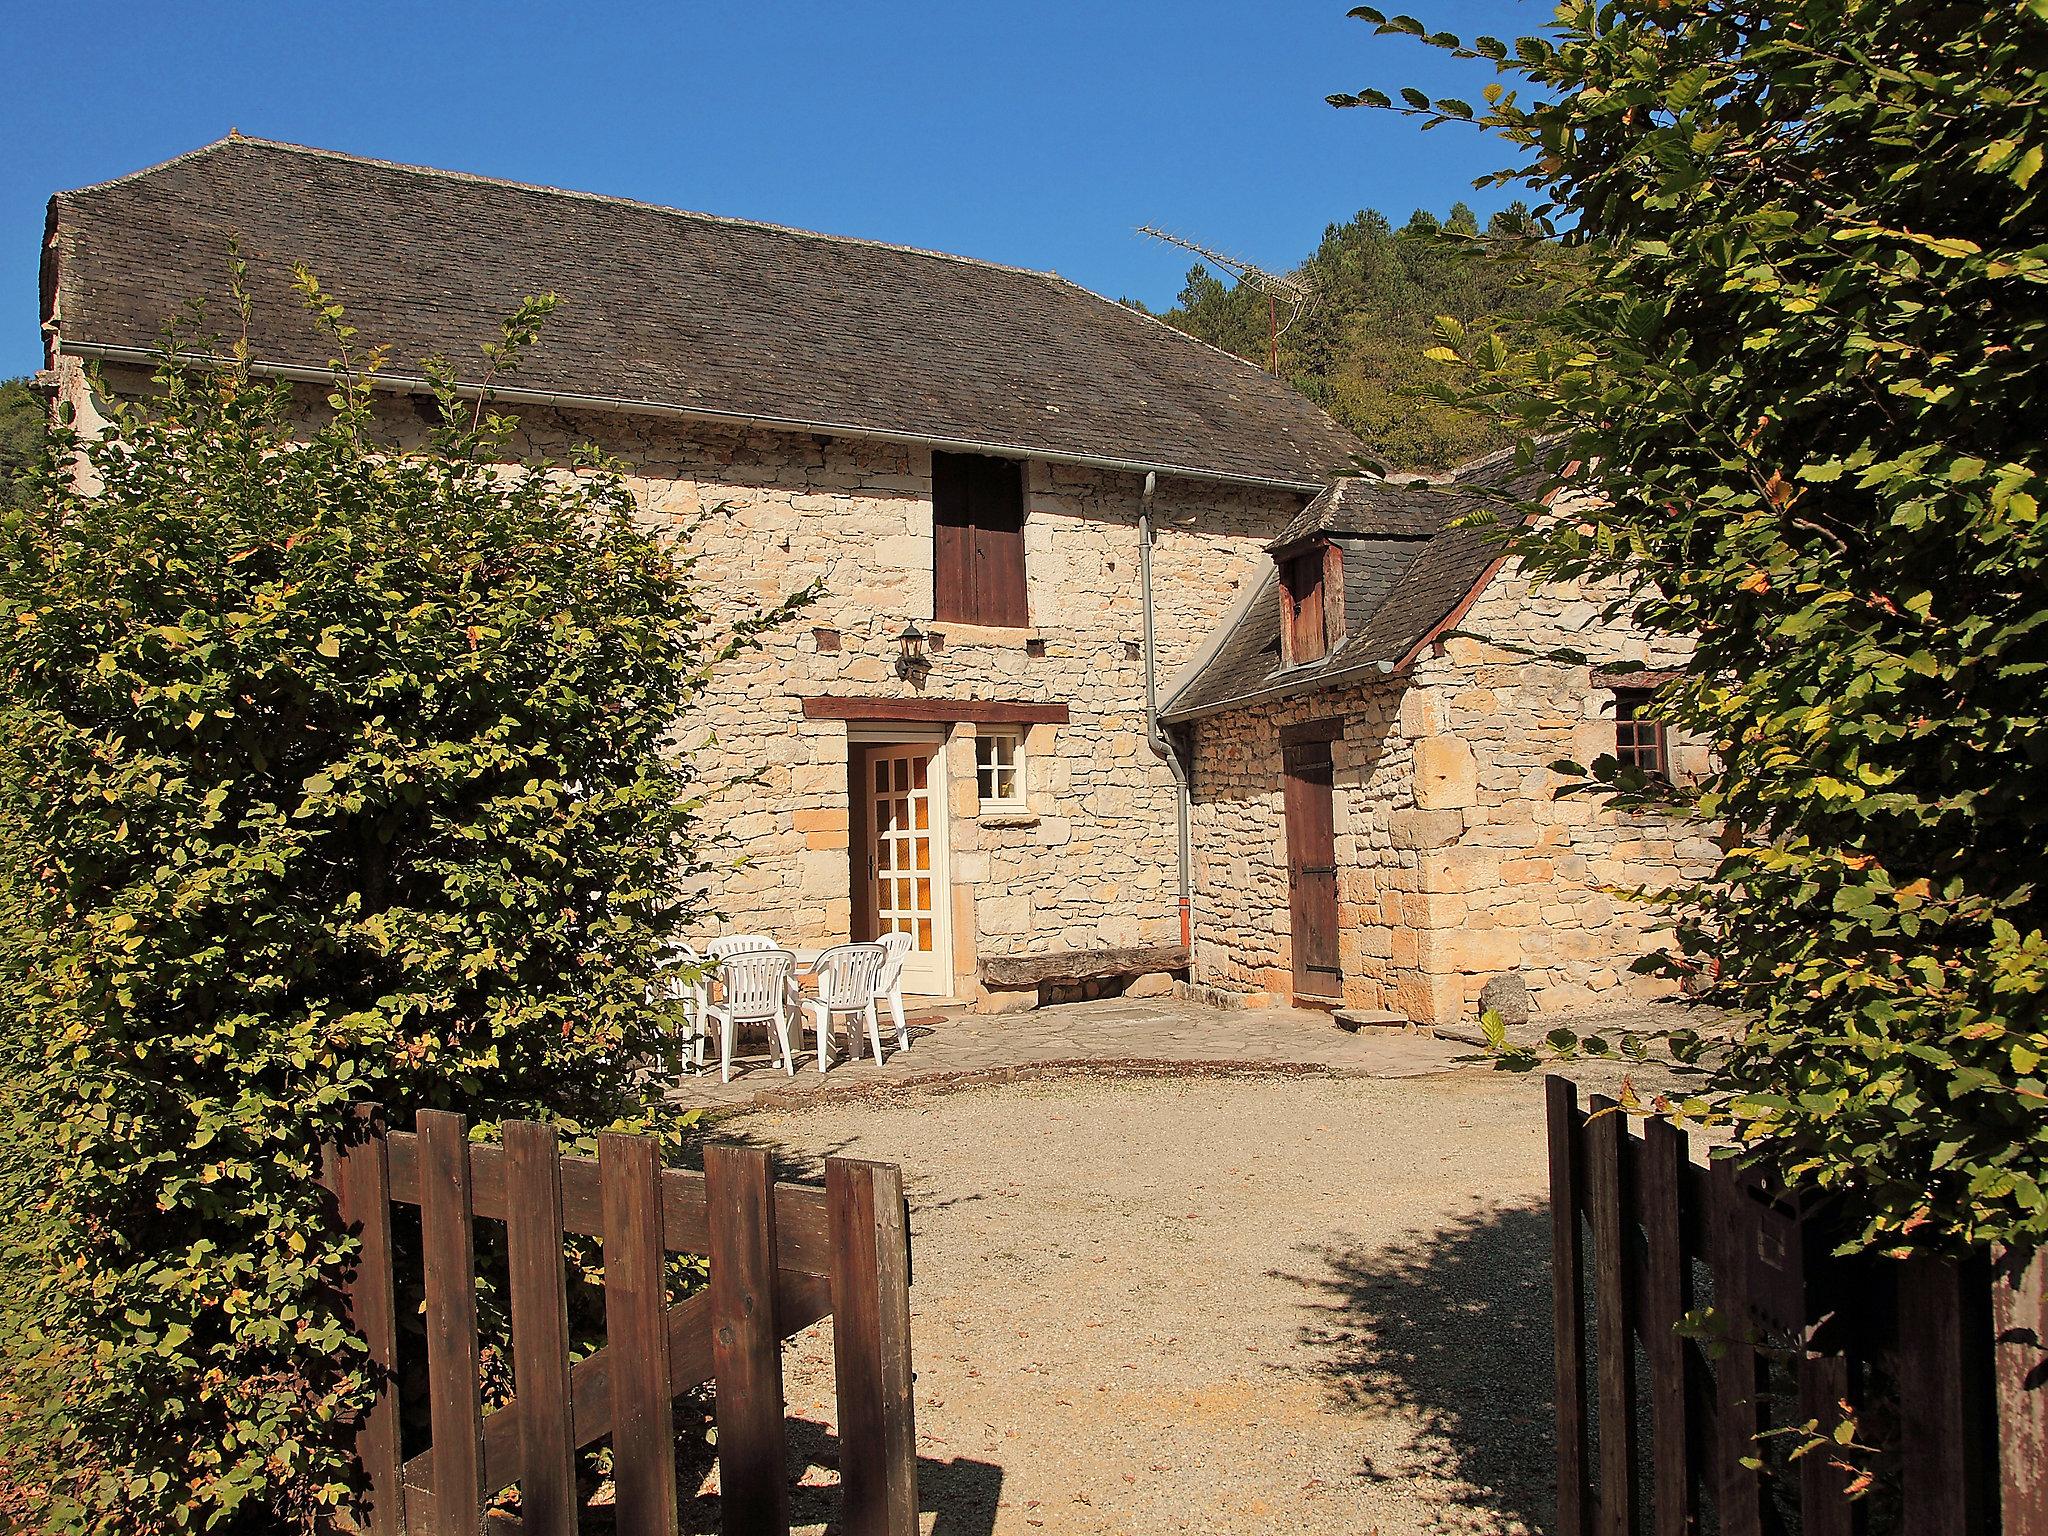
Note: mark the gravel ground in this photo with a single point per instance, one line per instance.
(1253, 1305)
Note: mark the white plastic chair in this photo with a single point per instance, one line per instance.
(686, 977)
(846, 979)
(754, 988)
(897, 947)
(739, 944)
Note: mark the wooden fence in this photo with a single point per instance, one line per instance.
(782, 1257)
(1661, 1425)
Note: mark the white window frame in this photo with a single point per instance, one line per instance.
(987, 770)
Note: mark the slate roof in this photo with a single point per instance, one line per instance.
(1405, 570)
(670, 310)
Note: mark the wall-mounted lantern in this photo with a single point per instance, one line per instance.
(912, 664)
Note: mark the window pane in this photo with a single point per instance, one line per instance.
(998, 756)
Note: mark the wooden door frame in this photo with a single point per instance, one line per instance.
(862, 744)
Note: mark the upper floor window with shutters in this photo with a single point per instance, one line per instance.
(978, 540)
(1311, 603)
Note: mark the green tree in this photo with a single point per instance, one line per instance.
(341, 772)
(1805, 378)
(21, 434)
(1360, 349)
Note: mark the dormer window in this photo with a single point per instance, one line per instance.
(1311, 602)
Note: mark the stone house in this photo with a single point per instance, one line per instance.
(1372, 729)
(1026, 505)
(1033, 514)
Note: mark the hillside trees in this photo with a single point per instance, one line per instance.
(1359, 350)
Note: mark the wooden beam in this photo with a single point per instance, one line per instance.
(978, 711)
(1312, 731)
(1015, 972)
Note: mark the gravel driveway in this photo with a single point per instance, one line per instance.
(1215, 1305)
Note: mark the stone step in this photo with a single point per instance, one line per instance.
(1369, 1018)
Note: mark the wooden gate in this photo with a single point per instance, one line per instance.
(1673, 1430)
(1309, 802)
(782, 1257)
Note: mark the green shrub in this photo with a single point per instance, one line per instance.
(337, 773)
(1807, 377)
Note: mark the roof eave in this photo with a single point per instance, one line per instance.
(412, 384)
(1355, 672)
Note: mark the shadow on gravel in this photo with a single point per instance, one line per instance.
(960, 1494)
(1451, 1327)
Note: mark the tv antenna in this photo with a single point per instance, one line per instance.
(1273, 285)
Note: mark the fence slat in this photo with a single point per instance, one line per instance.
(540, 1329)
(2019, 1321)
(871, 1349)
(1738, 1490)
(1944, 1487)
(455, 1407)
(1567, 1306)
(1658, 1191)
(753, 1476)
(1614, 1370)
(1825, 1508)
(362, 1185)
(636, 1327)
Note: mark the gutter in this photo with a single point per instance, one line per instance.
(1154, 737)
(414, 384)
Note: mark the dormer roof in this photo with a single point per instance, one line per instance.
(1406, 569)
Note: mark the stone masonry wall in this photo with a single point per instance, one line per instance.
(1457, 861)
(1092, 863)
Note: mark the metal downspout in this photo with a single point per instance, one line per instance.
(1154, 737)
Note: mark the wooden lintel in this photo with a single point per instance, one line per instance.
(1014, 972)
(1312, 730)
(978, 711)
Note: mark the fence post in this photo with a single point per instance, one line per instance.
(1944, 1309)
(1738, 1491)
(456, 1408)
(361, 1172)
(636, 1329)
(2019, 1323)
(1616, 1360)
(540, 1329)
(1659, 1189)
(746, 1352)
(871, 1348)
(1567, 1305)
(1824, 1506)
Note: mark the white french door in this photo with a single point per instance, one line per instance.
(907, 860)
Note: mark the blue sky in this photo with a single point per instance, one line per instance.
(1037, 134)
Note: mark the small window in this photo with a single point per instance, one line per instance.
(1638, 733)
(978, 540)
(1303, 636)
(999, 769)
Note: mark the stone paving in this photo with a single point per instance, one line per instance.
(1112, 1036)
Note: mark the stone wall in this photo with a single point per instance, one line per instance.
(1458, 863)
(1092, 862)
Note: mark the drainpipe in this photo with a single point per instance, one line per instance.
(1154, 737)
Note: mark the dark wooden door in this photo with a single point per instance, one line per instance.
(1312, 870)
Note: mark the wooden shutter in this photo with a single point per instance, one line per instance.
(952, 537)
(978, 540)
(1304, 637)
